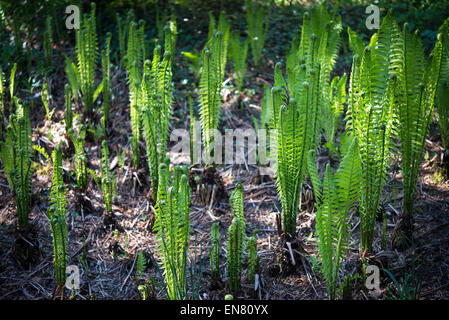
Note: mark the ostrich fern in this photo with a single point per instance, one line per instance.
(48, 42)
(296, 106)
(215, 252)
(258, 23)
(416, 90)
(106, 70)
(57, 213)
(15, 153)
(172, 227)
(68, 113)
(236, 239)
(80, 157)
(442, 98)
(336, 198)
(87, 52)
(238, 53)
(371, 116)
(235, 246)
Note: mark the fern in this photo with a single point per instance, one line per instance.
(172, 227)
(295, 119)
(336, 198)
(371, 116)
(140, 266)
(134, 57)
(80, 157)
(108, 184)
(68, 114)
(46, 101)
(156, 100)
(442, 98)
(238, 53)
(415, 90)
(106, 70)
(258, 23)
(87, 52)
(235, 246)
(15, 153)
(2, 101)
(48, 42)
(57, 213)
(253, 260)
(215, 252)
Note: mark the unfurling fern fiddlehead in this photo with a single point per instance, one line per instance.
(172, 227)
(15, 153)
(57, 213)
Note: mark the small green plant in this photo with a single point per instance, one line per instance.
(80, 157)
(15, 153)
(141, 266)
(214, 252)
(406, 291)
(238, 53)
(258, 23)
(336, 199)
(57, 213)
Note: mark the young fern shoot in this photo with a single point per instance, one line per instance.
(87, 52)
(336, 199)
(258, 23)
(15, 153)
(238, 53)
(57, 213)
(236, 239)
(172, 227)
